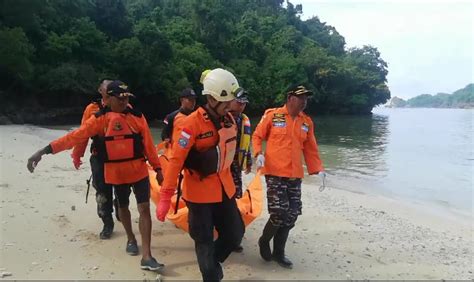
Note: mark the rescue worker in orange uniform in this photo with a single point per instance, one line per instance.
(205, 146)
(243, 156)
(104, 191)
(126, 145)
(187, 100)
(289, 134)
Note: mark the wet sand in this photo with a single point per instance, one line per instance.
(48, 232)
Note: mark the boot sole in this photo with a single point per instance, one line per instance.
(151, 268)
(288, 266)
(285, 265)
(105, 237)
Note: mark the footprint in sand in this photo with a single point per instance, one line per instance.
(164, 252)
(86, 236)
(62, 220)
(61, 168)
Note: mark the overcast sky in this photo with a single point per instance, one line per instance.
(428, 45)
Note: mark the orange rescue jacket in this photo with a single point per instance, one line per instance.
(287, 139)
(115, 172)
(198, 132)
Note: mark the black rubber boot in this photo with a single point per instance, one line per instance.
(220, 272)
(108, 228)
(279, 242)
(264, 241)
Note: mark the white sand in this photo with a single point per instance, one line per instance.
(341, 234)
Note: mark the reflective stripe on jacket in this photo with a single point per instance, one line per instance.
(243, 153)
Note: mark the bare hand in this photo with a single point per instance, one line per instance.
(77, 162)
(34, 160)
(159, 176)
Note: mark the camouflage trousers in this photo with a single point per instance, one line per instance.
(284, 200)
(237, 177)
(104, 192)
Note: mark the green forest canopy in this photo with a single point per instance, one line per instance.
(462, 98)
(54, 53)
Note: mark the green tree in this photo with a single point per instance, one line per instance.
(57, 52)
(111, 17)
(16, 69)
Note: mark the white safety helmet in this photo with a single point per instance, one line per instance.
(220, 84)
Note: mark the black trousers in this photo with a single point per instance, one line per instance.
(225, 218)
(103, 191)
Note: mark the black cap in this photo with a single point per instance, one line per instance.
(300, 90)
(187, 93)
(118, 89)
(244, 98)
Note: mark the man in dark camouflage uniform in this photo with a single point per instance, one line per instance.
(289, 134)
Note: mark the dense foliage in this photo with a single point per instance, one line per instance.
(53, 53)
(462, 98)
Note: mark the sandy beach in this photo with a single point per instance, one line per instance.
(49, 232)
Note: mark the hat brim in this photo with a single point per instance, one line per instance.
(189, 96)
(307, 93)
(242, 100)
(123, 95)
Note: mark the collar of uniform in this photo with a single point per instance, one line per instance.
(184, 112)
(204, 114)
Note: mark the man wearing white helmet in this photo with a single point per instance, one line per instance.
(204, 145)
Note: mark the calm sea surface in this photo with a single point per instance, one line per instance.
(422, 155)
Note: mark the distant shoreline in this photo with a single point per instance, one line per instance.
(470, 107)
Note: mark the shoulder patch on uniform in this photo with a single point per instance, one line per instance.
(186, 133)
(305, 127)
(184, 137)
(183, 142)
(245, 119)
